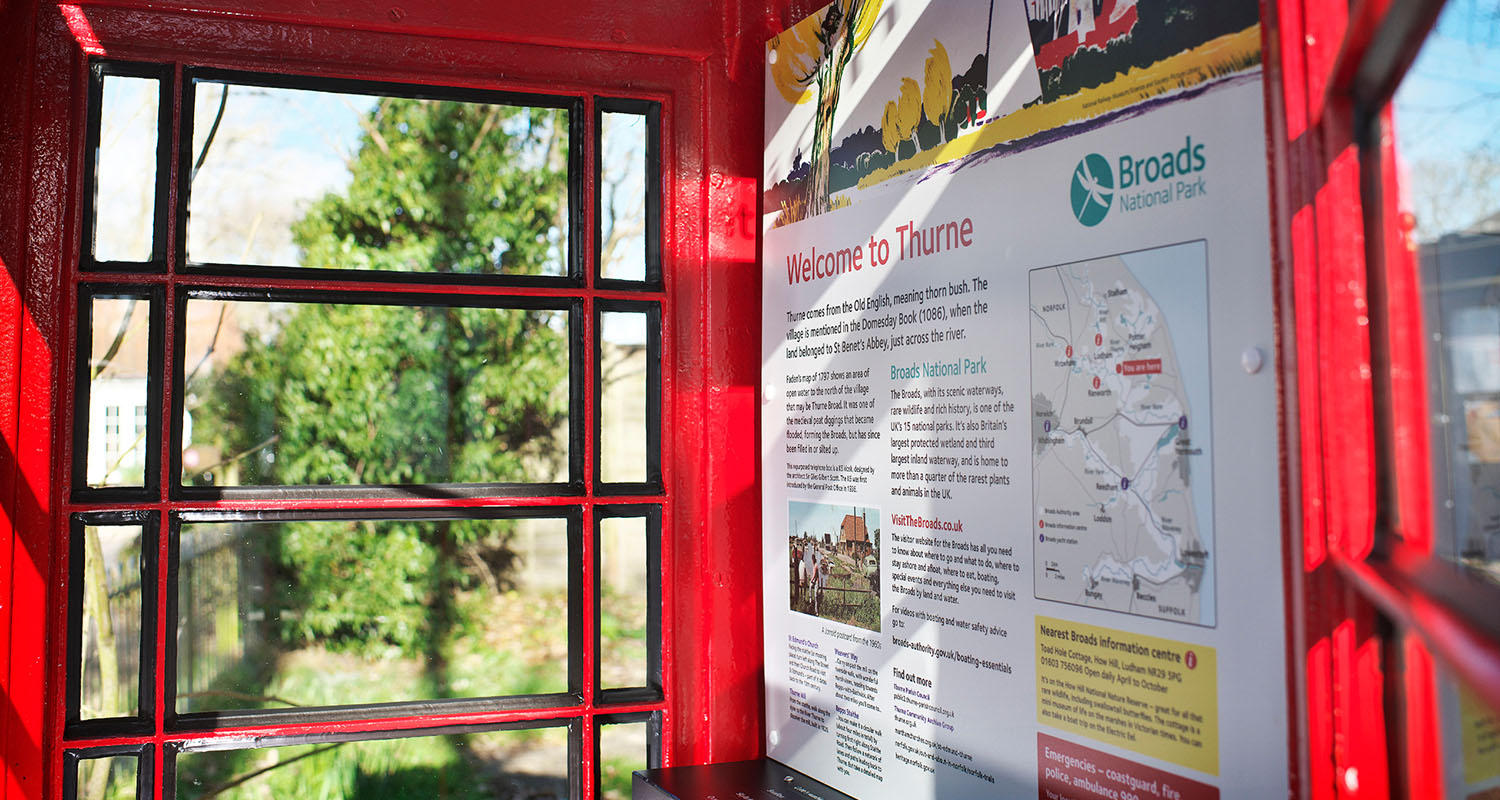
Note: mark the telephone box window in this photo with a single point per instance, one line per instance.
(629, 363)
(109, 616)
(125, 169)
(410, 182)
(117, 372)
(627, 202)
(530, 762)
(300, 392)
(399, 419)
(301, 613)
(1445, 125)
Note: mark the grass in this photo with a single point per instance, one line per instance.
(847, 599)
(795, 209)
(502, 644)
(467, 767)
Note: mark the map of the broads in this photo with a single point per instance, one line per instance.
(1122, 490)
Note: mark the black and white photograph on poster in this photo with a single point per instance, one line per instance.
(833, 558)
(1122, 485)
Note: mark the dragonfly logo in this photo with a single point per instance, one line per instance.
(1093, 189)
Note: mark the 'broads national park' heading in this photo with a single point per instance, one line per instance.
(1094, 181)
(913, 241)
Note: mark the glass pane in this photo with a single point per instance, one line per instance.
(109, 666)
(622, 196)
(501, 765)
(622, 751)
(623, 394)
(125, 175)
(1445, 125)
(623, 576)
(1469, 731)
(340, 612)
(119, 359)
(285, 394)
(296, 178)
(109, 778)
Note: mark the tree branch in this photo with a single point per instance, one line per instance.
(249, 776)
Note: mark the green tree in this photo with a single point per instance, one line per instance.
(344, 393)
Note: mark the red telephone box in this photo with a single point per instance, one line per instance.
(552, 575)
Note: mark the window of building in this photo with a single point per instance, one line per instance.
(387, 517)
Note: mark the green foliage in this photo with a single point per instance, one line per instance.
(335, 394)
(448, 187)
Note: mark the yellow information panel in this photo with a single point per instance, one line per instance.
(1481, 738)
(1156, 697)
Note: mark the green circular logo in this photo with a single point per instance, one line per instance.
(1093, 189)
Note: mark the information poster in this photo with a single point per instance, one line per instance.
(1021, 500)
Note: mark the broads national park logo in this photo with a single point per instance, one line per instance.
(1156, 180)
(1093, 189)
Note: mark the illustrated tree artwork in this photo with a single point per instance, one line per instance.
(937, 87)
(370, 394)
(890, 139)
(909, 111)
(813, 54)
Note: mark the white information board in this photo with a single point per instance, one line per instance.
(1021, 501)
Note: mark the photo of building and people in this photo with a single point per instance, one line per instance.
(833, 562)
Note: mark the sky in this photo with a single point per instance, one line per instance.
(1447, 119)
(818, 519)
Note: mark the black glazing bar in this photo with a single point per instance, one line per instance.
(139, 723)
(652, 311)
(213, 720)
(438, 491)
(82, 386)
(652, 691)
(234, 78)
(99, 69)
(652, 201)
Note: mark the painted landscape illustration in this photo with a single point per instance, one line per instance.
(863, 91)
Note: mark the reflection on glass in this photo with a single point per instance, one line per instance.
(623, 394)
(297, 178)
(623, 574)
(109, 665)
(622, 196)
(119, 352)
(312, 394)
(125, 175)
(108, 778)
(500, 765)
(341, 612)
(1445, 124)
(622, 751)
(1470, 734)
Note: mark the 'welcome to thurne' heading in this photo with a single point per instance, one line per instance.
(912, 243)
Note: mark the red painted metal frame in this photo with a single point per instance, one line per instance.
(1339, 658)
(707, 81)
(1361, 467)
